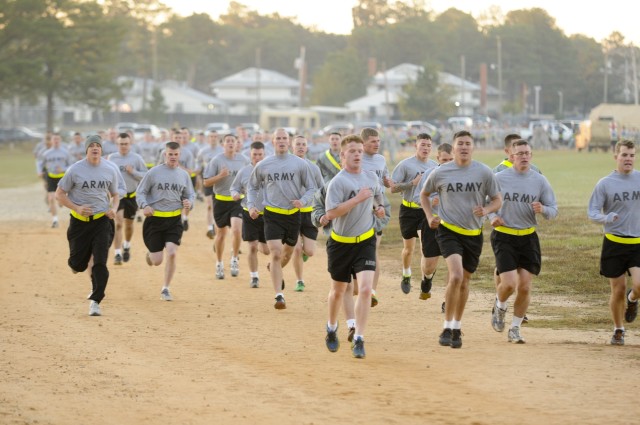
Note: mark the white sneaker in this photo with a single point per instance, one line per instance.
(94, 309)
(235, 269)
(165, 295)
(220, 271)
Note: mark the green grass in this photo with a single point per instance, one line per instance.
(570, 244)
(17, 166)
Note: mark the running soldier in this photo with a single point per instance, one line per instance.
(287, 185)
(55, 161)
(615, 203)
(406, 178)
(354, 196)
(329, 161)
(132, 168)
(162, 194)
(227, 212)
(306, 246)
(252, 230)
(462, 186)
(205, 155)
(514, 240)
(87, 189)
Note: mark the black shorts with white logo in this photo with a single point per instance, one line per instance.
(252, 230)
(307, 229)
(282, 227)
(345, 260)
(52, 183)
(411, 220)
(224, 210)
(516, 252)
(130, 206)
(617, 258)
(469, 247)
(157, 231)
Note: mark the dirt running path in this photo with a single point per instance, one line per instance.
(221, 354)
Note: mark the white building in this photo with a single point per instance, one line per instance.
(386, 89)
(251, 89)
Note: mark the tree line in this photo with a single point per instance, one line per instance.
(72, 50)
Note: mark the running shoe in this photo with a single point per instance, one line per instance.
(280, 304)
(497, 317)
(54, 224)
(148, 258)
(118, 260)
(456, 338)
(405, 284)
(305, 257)
(358, 348)
(94, 309)
(255, 282)
(618, 337)
(352, 333)
(631, 312)
(332, 340)
(445, 337)
(165, 295)
(514, 335)
(210, 234)
(425, 288)
(185, 225)
(442, 308)
(235, 269)
(299, 286)
(374, 300)
(126, 254)
(220, 271)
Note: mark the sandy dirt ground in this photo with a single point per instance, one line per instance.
(221, 354)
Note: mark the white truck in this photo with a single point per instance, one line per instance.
(558, 133)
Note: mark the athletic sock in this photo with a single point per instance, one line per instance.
(516, 321)
(629, 297)
(253, 274)
(406, 272)
(351, 323)
(118, 252)
(332, 327)
(126, 244)
(501, 305)
(456, 324)
(211, 227)
(447, 324)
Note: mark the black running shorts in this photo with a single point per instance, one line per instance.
(252, 230)
(345, 260)
(307, 229)
(130, 206)
(430, 247)
(469, 247)
(411, 220)
(157, 231)
(283, 227)
(224, 210)
(516, 252)
(617, 258)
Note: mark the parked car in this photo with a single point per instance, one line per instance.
(341, 127)
(123, 127)
(141, 129)
(251, 127)
(557, 131)
(219, 127)
(417, 127)
(357, 127)
(19, 134)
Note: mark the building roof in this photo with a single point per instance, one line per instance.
(249, 78)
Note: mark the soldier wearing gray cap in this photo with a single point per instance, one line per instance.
(89, 189)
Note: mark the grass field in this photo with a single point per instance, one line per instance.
(570, 244)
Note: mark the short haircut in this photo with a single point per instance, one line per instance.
(299, 136)
(509, 139)
(423, 136)
(462, 133)
(124, 136)
(229, 135)
(257, 145)
(77, 134)
(335, 133)
(172, 145)
(626, 143)
(351, 139)
(519, 142)
(368, 132)
(445, 147)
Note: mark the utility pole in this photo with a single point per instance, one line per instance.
(462, 77)
(635, 74)
(386, 92)
(300, 64)
(499, 41)
(537, 108)
(258, 86)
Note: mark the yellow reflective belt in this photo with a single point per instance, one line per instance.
(352, 239)
(83, 218)
(166, 214)
(411, 204)
(247, 210)
(226, 198)
(306, 209)
(150, 164)
(507, 163)
(332, 159)
(130, 195)
(618, 239)
(56, 176)
(460, 230)
(281, 210)
(193, 174)
(515, 232)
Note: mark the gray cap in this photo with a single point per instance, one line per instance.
(94, 138)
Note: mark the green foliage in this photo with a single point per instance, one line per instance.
(340, 79)
(426, 97)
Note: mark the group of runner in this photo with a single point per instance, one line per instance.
(276, 201)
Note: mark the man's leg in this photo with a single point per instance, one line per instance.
(277, 248)
(170, 265)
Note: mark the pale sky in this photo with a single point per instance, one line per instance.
(594, 19)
